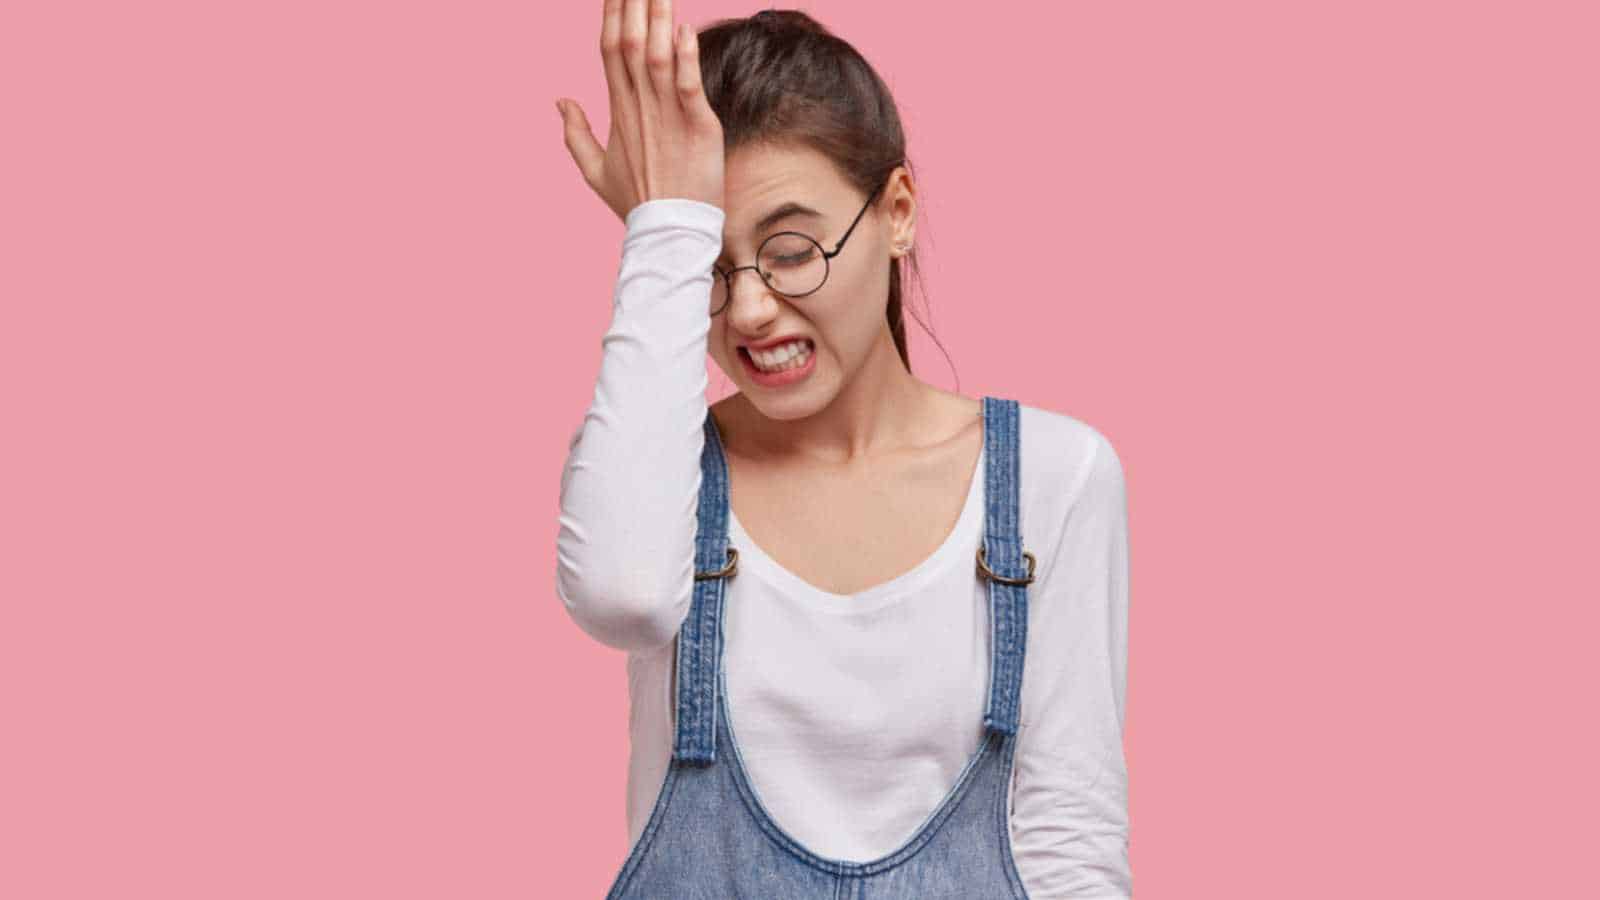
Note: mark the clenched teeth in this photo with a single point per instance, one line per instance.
(784, 356)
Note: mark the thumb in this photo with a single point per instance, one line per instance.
(585, 150)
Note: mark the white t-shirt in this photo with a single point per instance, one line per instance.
(854, 714)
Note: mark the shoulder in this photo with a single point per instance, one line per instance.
(1063, 451)
(1066, 464)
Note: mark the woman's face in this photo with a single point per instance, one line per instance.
(842, 325)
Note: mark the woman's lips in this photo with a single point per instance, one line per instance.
(779, 379)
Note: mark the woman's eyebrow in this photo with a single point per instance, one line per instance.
(772, 218)
(783, 212)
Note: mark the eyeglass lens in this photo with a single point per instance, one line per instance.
(791, 264)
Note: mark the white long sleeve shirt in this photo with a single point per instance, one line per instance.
(854, 714)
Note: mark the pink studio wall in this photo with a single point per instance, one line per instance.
(302, 300)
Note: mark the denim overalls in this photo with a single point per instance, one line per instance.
(708, 836)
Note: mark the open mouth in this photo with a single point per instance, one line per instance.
(790, 355)
(781, 365)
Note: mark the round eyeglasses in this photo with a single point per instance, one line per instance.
(792, 264)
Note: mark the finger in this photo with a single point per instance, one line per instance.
(635, 31)
(579, 137)
(691, 86)
(619, 80)
(659, 58)
(618, 83)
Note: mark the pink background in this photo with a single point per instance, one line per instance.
(302, 300)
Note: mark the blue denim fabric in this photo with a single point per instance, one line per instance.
(708, 836)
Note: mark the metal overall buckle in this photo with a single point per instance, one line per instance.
(725, 571)
(985, 572)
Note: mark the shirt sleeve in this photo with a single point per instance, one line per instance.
(1070, 794)
(631, 482)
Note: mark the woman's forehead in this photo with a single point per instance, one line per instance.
(760, 182)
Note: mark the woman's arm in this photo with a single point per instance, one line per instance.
(1070, 797)
(630, 486)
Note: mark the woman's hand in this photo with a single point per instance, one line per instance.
(665, 139)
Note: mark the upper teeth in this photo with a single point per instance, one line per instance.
(783, 355)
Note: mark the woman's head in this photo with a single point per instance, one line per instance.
(806, 121)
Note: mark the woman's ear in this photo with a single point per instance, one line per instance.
(902, 208)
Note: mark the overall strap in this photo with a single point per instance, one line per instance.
(700, 636)
(1001, 562)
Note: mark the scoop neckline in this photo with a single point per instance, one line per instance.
(755, 560)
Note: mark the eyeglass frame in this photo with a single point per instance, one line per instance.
(827, 256)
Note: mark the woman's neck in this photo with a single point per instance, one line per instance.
(883, 409)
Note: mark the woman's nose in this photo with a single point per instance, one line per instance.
(751, 297)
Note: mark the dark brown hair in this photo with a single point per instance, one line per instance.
(780, 78)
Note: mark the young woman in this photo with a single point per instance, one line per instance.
(876, 631)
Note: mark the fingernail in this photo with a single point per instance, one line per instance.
(561, 109)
